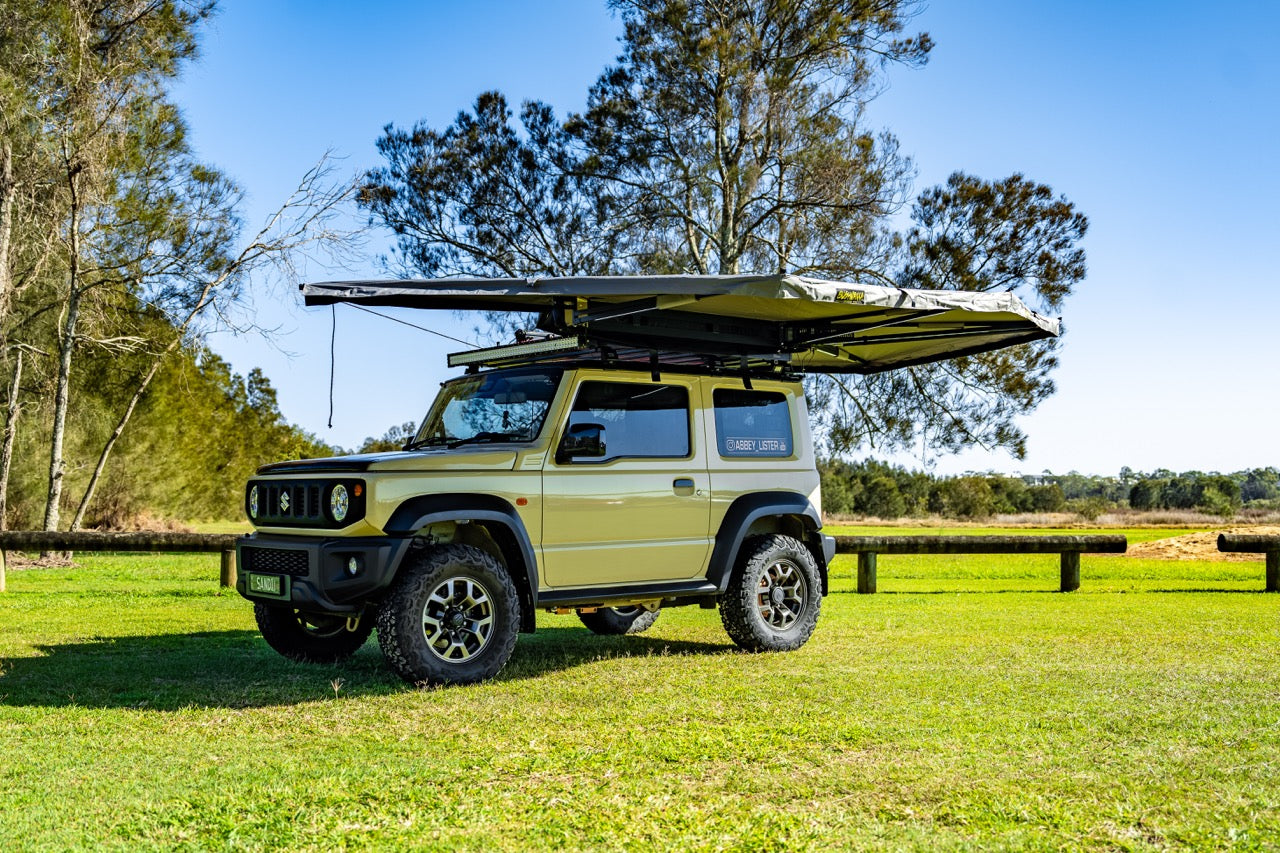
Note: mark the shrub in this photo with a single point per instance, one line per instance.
(1046, 498)
(963, 497)
(1146, 494)
(882, 498)
(1089, 508)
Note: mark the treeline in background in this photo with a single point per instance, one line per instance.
(120, 252)
(197, 435)
(875, 489)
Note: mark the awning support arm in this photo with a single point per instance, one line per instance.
(867, 327)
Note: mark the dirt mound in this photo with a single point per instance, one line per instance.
(1196, 546)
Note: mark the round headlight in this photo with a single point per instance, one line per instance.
(253, 502)
(339, 502)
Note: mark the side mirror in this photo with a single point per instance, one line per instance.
(582, 441)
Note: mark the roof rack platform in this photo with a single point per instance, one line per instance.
(572, 351)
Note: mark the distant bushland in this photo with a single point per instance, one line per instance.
(871, 488)
(199, 434)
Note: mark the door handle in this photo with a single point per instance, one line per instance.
(683, 486)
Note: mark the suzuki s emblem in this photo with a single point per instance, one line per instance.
(284, 502)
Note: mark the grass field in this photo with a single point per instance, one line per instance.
(965, 706)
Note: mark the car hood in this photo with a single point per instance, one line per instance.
(474, 458)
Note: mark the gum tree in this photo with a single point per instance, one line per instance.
(107, 65)
(131, 248)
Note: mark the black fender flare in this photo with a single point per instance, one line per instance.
(416, 513)
(745, 511)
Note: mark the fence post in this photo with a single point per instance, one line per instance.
(866, 572)
(2, 568)
(1070, 571)
(1273, 572)
(229, 568)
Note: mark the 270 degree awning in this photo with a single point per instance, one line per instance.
(814, 326)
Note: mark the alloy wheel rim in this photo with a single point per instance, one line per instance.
(781, 594)
(457, 620)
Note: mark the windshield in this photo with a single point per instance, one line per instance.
(489, 407)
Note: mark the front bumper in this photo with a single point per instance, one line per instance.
(314, 570)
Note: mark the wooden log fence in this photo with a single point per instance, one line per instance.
(1068, 547)
(866, 547)
(153, 541)
(1256, 543)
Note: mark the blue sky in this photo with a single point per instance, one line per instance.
(1159, 120)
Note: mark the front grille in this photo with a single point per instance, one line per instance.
(302, 503)
(296, 502)
(280, 561)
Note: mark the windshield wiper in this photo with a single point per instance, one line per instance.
(482, 437)
(427, 442)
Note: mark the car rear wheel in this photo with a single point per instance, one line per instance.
(611, 621)
(774, 595)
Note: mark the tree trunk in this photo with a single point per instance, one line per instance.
(61, 402)
(10, 433)
(7, 189)
(6, 293)
(66, 346)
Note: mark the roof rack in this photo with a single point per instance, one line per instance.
(581, 352)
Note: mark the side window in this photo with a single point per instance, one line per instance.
(636, 420)
(752, 423)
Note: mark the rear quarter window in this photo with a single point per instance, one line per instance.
(752, 424)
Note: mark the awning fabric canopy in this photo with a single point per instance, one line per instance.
(811, 325)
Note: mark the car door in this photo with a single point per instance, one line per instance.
(625, 493)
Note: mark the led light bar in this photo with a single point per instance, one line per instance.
(491, 356)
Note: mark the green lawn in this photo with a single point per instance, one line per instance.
(965, 706)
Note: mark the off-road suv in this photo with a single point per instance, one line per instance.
(603, 490)
(651, 451)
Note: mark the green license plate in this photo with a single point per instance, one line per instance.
(267, 586)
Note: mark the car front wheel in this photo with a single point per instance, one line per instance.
(452, 617)
(311, 637)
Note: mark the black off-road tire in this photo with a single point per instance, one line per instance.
(310, 637)
(774, 595)
(613, 621)
(451, 617)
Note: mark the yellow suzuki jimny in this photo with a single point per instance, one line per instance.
(650, 450)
